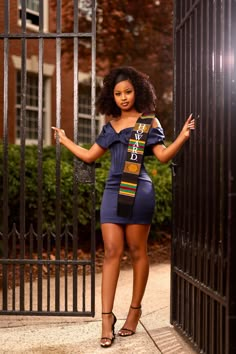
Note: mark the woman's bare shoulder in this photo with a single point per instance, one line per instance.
(156, 123)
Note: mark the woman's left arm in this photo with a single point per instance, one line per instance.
(165, 154)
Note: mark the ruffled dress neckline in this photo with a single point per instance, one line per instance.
(129, 128)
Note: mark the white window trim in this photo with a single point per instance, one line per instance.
(48, 70)
(100, 119)
(86, 77)
(35, 28)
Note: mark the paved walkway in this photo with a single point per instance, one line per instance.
(63, 335)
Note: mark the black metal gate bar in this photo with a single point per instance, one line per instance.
(76, 166)
(40, 158)
(231, 133)
(59, 299)
(5, 156)
(93, 113)
(202, 272)
(22, 154)
(58, 155)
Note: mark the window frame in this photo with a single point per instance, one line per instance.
(83, 115)
(48, 70)
(32, 108)
(31, 26)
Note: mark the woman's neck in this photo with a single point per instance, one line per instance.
(129, 114)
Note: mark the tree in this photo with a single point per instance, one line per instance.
(137, 33)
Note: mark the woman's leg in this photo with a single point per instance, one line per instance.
(113, 238)
(137, 236)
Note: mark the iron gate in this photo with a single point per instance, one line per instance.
(37, 278)
(204, 190)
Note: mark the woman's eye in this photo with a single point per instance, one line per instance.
(117, 94)
(128, 92)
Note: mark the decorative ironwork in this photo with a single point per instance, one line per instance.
(204, 191)
(43, 273)
(53, 285)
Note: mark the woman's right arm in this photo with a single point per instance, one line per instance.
(86, 155)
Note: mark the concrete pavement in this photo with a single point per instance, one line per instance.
(63, 335)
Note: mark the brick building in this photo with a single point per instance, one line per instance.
(11, 21)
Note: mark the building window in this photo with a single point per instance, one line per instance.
(32, 14)
(85, 120)
(84, 105)
(32, 66)
(31, 116)
(85, 130)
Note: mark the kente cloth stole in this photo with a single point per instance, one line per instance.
(132, 166)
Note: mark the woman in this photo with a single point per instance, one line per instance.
(128, 201)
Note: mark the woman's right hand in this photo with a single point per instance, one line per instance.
(60, 133)
(188, 126)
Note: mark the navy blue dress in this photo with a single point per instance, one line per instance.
(144, 203)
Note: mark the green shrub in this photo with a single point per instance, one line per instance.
(79, 194)
(161, 177)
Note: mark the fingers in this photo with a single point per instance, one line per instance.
(190, 118)
(58, 132)
(58, 129)
(191, 122)
(191, 125)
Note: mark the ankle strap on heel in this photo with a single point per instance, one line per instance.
(107, 313)
(136, 308)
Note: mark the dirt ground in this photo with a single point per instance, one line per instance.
(158, 252)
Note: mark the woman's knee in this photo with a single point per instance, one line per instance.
(137, 252)
(112, 253)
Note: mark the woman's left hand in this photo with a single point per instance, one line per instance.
(188, 126)
(60, 133)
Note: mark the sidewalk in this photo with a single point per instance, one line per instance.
(63, 335)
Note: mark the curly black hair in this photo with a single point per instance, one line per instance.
(145, 96)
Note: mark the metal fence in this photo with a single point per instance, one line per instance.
(41, 271)
(204, 190)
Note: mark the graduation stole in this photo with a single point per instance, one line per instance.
(133, 163)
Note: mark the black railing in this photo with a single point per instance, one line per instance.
(204, 189)
(41, 272)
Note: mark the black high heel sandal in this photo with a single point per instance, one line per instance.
(129, 332)
(109, 341)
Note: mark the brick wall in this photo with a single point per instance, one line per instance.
(15, 48)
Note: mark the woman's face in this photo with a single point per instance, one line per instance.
(124, 95)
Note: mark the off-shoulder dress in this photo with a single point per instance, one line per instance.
(144, 204)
